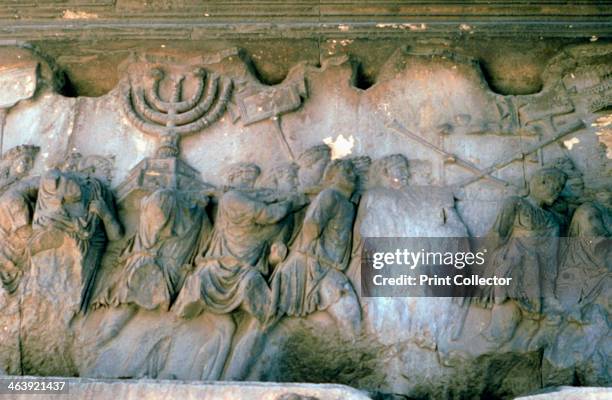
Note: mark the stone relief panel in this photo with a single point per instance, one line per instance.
(193, 222)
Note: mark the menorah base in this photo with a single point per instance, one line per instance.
(160, 172)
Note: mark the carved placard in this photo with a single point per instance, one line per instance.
(17, 84)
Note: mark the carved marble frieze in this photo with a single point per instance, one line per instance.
(195, 223)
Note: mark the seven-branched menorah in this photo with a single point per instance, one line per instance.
(169, 120)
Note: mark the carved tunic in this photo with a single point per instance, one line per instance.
(244, 228)
(62, 212)
(526, 251)
(157, 257)
(16, 209)
(323, 243)
(586, 264)
(230, 275)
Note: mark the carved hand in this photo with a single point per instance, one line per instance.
(98, 207)
(299, 200)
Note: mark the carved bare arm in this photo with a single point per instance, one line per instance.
(272, 213)
(113, 228)
(317, 216)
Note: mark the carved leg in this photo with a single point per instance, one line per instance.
(504, 320)
(112, 323)
(189, 303)
(256, 303)
(339, 299)
(246, 350)
(215, 354)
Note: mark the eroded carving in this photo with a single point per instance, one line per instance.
(527, 218)
(234, 269)
(312, 277)
(157, 259)
(584, 278)
(73, 220)
(525, 242)
(17, 199)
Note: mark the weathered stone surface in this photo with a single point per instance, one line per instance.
(570, 393)
(83, 388)
(195, 223)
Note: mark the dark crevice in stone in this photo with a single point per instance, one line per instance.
(361, 79)
(264, 76)
(501, 86)
(68, 89)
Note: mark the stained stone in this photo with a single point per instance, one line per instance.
(181, 202)
(83, 388)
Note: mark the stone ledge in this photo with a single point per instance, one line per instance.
(571, 393)
(152, 389)
(349, 19)
(392, 28)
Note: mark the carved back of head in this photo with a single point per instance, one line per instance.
(283, 177)
(566, 165)
(574, 185)
(19, 160)
(242, 174)
(71, 162)
(312, 164)
(390, 171)
(602, 195)
(546, 184)
(97, 167)
(340, 173)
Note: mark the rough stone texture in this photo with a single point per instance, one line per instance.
(570, 393)
(203, 217)
(82, 388)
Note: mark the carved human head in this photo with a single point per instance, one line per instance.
(546, 184)
(283, 178)
(71, 163)
(604, 197)
(20, 159)
(15, 213)
(98, 167)
(574, 186)
(393, 171)
(242, 175)
(340, 174)
(312, 164)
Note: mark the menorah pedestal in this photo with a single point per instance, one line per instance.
(159, 172)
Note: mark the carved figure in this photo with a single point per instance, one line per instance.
(524, 240)
(80, 209)
(572, 194)
(525, 243)
(16, 164)
(231, 274)
(311, 278)
(17, 200)
(284, 181)
(426, 211)
(73, 220)
(312, 164)
(585, 263)
(158, 257)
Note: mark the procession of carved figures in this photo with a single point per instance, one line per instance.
(276, 244)
(276, 247)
